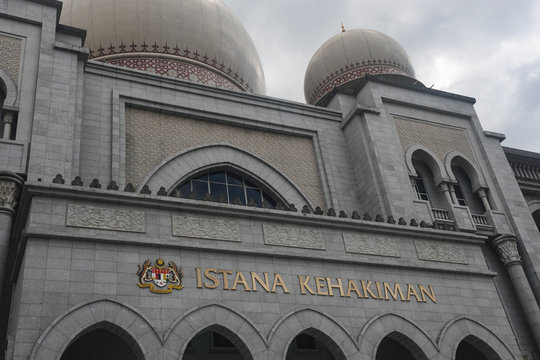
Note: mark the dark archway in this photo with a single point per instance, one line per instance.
(396, 346)
(464, 191)
(313, 344)
(103, 342)
(536, 217)
(473, 348)
(216, 343)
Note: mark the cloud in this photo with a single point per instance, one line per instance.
(487, 49)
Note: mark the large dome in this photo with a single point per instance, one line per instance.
(197, 40)
(350, 55)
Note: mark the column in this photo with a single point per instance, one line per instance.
(506, 246)
(10, 188)
(446, 191)
(7, 123)
(453, 194)
(483, 196)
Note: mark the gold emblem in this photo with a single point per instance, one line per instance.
(160, 278)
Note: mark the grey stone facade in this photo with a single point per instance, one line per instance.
(351, 256)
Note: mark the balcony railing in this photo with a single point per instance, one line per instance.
(440, 214)
(480, 220)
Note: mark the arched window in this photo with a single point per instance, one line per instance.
(464, 191)
(536, 217)
(103, 344)
(227, 186)
(2, 99)
(424, 185)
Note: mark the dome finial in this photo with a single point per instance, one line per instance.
(342, 28)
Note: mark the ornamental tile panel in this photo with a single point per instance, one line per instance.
(10, 56)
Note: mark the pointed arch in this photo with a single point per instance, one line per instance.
(457, 330)
(122, 319)
(9, 87)
(213, 317)
(427, 156)
(312, 322)
(180, 166)
(468, 166)
(404, 331)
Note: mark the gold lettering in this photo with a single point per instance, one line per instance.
(430, 294)
(394, 293)
(278, 281)
(225, 278)
(256, 279)
(240, 279)
(366, 288)
(199, 278)
(211, 277)
(352, 287)
(304, 286)
(319, 281)
(339, 286)
(412, 291)
(379, 290)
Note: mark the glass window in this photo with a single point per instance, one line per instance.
(420, 189)
(225, 186)
(459, 195)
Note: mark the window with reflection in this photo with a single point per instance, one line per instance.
(226, 186)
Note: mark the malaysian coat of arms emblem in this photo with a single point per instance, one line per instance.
(160, 278)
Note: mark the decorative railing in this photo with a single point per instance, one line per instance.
(440, 214)
(480, 220)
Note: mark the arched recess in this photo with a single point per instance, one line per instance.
(534, 206)
(180, 166)
(417, 342)
(229, 323)
(468, 166)
(8, 86)
(473, 332)
(102, 341)
(427, 156)
(312, 322)
(122, 318)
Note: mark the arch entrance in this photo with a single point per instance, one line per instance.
(396, 346)
(216, 343)
(312, 344)
(473, 348)
(103, 342)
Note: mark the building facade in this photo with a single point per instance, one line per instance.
(155, 204)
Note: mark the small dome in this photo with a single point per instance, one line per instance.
(350, 55)
(197, 40)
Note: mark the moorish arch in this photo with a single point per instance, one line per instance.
(466, 331)
(456, 158)
(120, 319)
(9, 88)
(397, 329)
(422, 153)
(534, 207)
(178, 167)
(321, 327)
(214, 318)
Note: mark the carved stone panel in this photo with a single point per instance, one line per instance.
(10, 56)
(105, 218)
(370, 244)
(293, 237)
(201, 228)
(436, 251)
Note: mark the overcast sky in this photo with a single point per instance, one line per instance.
(486, 49)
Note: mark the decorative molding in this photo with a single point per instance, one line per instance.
(436, 251)
(507, 248)
(201, 228)
(370, 244)
(105, 218)
(293, 237)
